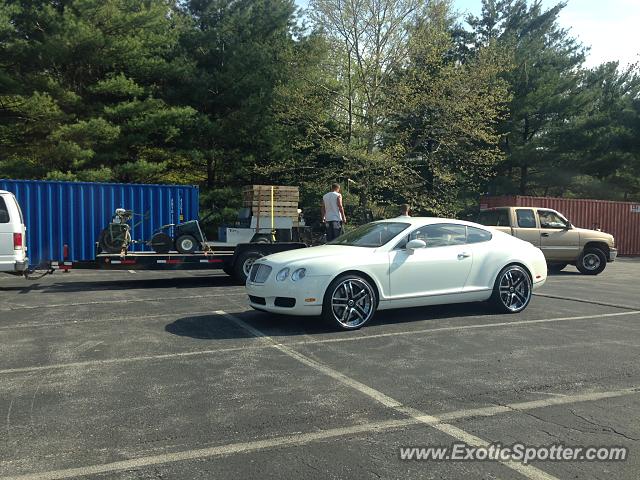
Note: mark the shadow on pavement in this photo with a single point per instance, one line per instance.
(567, 273)
(217, 327)
(136, 283)
(206, 327)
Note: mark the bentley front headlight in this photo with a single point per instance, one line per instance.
(298, 274)
(282, 274)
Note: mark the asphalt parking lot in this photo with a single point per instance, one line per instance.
(169, 375)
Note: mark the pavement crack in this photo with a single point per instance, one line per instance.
(308, 464)
(9, 417)
(552, 435)
(545, 420)
(605, 428)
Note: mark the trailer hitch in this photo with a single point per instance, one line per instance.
(29, 274)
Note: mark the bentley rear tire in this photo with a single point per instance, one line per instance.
(512, 289)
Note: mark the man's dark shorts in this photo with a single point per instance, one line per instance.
(334, 230)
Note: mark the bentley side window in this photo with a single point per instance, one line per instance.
(440, 235)
(477, 235)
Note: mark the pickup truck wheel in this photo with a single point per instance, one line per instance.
(242, 267)
(556, 267)
(512, 290)
(592, 261)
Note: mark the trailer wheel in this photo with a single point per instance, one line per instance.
(186, 244)
(161, 243)
(244, 262)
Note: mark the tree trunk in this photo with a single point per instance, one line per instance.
(350, 97)
(371, 134)
(524, 172)
(210, 172)
(524, 166)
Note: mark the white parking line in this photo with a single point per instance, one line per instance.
(583, 300)
(112, 361)
(528, 471)
(481, 325)
(124, 300)
(76, 322)
(306, 438)
(91, 363)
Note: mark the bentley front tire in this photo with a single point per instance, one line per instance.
(512, 289)
(349, 302)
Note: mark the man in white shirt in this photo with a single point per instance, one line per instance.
(333, 212)
(405, 211)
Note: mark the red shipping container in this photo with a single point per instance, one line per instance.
(620, 219)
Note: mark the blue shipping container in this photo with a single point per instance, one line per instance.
(74, 213)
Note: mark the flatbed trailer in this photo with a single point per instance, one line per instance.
(234, 261)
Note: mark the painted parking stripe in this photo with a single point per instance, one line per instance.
(522, 323)
(235, 292)
(98, 363)
(528, 471)
(306, 438)
(79, 322)
(115, 361)
(583, 300)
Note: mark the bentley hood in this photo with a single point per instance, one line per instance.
(320, 253)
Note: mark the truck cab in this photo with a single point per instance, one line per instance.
(561, 242)
(13, 250)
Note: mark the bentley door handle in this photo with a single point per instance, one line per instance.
(463, 255)
(544, 234)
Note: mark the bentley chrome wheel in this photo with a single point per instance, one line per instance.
(352, 302)
(514, 288)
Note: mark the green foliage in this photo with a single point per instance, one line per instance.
(395, 99)
(445, 115)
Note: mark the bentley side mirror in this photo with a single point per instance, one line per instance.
(416, 244)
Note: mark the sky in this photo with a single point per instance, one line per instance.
(610, 27)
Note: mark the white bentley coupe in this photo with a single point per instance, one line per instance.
(397, 263)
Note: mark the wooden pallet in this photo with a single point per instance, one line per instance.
(267, 204)
(264, 192)
(259, 199)
(278, 212)
(267, 198)
(276, 188)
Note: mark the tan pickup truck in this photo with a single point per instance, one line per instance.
(561, 242)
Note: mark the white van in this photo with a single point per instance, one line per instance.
(13, 250)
